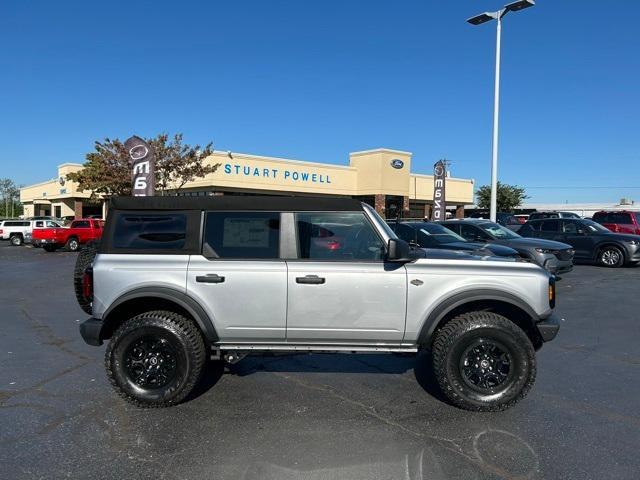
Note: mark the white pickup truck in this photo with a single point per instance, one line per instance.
(20, 231)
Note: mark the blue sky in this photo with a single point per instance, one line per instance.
(316, 80)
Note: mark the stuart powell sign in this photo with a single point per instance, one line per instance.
(143, 175)
(439, 204)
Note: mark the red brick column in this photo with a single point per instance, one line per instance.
(380, 201)
(460, 211)
(77, 209)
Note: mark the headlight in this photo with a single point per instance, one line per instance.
(543, 250)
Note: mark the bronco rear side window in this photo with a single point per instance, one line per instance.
(154, 231)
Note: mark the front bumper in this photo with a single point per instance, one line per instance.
(91, 331)
(554, 265)
(548, 327)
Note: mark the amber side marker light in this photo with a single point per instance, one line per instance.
(552, 292)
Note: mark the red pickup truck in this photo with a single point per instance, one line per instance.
(78, 233)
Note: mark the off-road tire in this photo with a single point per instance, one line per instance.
(16, 240)
(190, 352)
(73, 244)
(84, 260)
(459, 334)
(611, 257)
(50, 248)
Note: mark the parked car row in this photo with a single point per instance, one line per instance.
(550, 239)
(50, 234)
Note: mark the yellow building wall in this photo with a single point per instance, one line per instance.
(266, 173)
(370, 172)
(459, 191)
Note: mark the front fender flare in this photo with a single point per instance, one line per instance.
(482, 294)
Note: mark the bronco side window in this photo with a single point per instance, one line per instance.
(150, 231)
(337, 236)
(251, 235)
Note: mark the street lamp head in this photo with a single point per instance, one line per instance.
(519, 5)
(482, 18)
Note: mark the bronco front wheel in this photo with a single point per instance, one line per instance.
(483, 362)
(155, 359)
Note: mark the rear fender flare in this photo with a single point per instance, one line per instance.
(179, 298)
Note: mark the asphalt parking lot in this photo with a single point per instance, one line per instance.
(315, 416)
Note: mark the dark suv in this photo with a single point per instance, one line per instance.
(592, 241)
(555, 257)
(434, 235)
(619, 222)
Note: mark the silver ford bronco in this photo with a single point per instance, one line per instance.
(179, 281)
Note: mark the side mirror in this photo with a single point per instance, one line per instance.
(398, 251)
(581, 231)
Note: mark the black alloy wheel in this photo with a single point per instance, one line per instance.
(155, 359)
(151, 362)
(483, 361)
(485, 365)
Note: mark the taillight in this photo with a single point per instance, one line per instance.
(552, 292)
(1, 231)
(87, 284)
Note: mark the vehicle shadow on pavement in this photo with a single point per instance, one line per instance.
(393, 364)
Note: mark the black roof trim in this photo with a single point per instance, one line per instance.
(231, 202)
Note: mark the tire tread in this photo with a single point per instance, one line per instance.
(180, 325)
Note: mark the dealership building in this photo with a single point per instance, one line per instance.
(380, 177)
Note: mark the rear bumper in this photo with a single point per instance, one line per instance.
(43, 241)
(548, 327)
(91, 331)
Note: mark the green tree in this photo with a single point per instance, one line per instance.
(509, 197)
(107, 170)
(10, 205)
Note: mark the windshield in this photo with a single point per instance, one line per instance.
(594, 227)
(498, 231)
(440, 234)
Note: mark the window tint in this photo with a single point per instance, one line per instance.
(405, 233)
(569, 227)
(51, 224)
(621, 218)
(601, 217)
(16, 224)
(242, 234)
(471, 233)
(550, 226)
(40, 223)
(80, 224)
(149, 231)
(337, 236)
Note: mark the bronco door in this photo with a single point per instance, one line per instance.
(340, 290)
(239, 278)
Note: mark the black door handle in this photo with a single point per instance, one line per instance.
(210, 278)
(310, 280)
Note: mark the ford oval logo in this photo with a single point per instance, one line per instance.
(397, 163)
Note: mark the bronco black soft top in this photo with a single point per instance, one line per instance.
(233, 202)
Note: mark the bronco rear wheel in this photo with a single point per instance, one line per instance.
(155, 359)
(483, 362)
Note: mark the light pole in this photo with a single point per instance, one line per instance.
(478, 20)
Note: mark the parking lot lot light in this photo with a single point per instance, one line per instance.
(479, 20)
